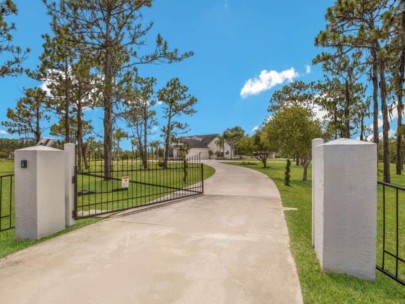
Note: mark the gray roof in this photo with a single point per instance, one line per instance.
(198, 141)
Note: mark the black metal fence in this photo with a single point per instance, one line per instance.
(131, 183)
(7, 215)
(391, 236)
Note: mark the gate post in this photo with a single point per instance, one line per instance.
(346, 200)
(69, 183)
(316, 159)
(39, 192)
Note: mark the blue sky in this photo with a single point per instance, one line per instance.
(244, 50)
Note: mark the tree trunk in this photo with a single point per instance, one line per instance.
(297, 160)
(37, 122)
(167, 139)
(67, 101)
(362, 127)
(386, 125)
(335, 122)
(346, 133)
(166, 156)
(145, 140)
(305, 164)
(374, 77)
(85, 160)
(79, 134)
(264, 161)
(108, 87)
(399, 89)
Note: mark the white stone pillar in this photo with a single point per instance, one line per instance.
(316, 159)
(69, 185)
(39, 192)
(345, 225)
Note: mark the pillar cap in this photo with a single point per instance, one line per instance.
(39, 148)
(347, 142)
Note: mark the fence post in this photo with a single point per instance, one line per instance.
(346, 207)
(202, 177)
(316, 159)
(69, 150)
(39, 192)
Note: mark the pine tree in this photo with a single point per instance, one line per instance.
(11, 55)
(113, 33)
(175, 102)
(30, 114)
(140, 115)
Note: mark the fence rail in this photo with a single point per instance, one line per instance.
(392, 235)
(7, 216)
(131, 183)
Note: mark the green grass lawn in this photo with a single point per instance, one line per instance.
(145, 186)
(8, 243)
(319, 287)
(6, 194)
(6, 167)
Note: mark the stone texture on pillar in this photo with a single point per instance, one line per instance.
(39, 192)
(315, 162)
(346, 194)
(70, 151)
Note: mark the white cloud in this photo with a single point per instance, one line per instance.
(308, 69)
(255, 128)
(319, 113)
(266, 80)
(154, 130)
(45, 87)
(3, 132)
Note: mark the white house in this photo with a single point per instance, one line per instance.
(201, 145)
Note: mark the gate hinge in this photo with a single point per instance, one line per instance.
(73, 179)
(73, 214)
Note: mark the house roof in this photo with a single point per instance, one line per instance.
(198, 141)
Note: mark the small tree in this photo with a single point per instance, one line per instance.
(292, 130)
(140, 115)
(287, 173)
(185, 148)
(176, 102)
(261, 146)
(29, 115)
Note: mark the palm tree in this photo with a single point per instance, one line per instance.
(155, 145)
(220, 142)
(118, 135)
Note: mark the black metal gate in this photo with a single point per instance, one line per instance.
(391, 236)
(7, 213)
(131, 183)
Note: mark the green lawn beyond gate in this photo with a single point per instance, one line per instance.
(8, 243)
(319, 287)
(97, 194)
(6, 192)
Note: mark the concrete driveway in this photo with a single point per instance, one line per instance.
(229, 246)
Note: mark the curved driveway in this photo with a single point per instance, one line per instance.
(230, 245)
